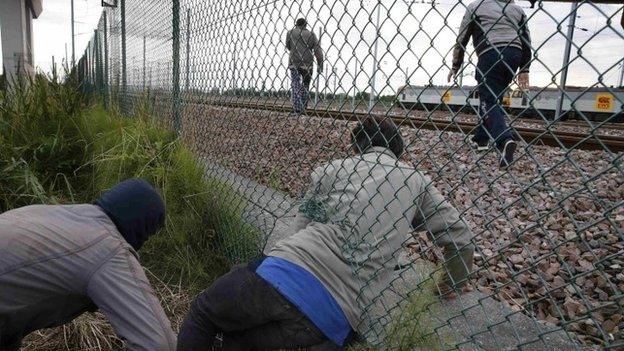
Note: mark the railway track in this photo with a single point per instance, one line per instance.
(533, 136)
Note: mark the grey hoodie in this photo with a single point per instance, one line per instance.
(493, 24)
(57, 262)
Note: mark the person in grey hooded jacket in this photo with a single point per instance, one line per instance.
(59, 261)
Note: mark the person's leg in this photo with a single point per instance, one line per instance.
(10, 343)
(235, 302)
(293, 332)
(197, 332)
(498, 68)
(491, 88)
(249, 312)
(296, 90)
(481, 136)
(306, 75)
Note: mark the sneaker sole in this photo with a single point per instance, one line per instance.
(508, 151)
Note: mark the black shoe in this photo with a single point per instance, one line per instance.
(508, 153)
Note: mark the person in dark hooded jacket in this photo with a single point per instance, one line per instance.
(59, 261)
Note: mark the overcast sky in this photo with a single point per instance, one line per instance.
(348, 36)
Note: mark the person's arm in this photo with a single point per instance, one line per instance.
(121, 290)
(527, 53)
(441, 220)
(318, 52)
(465, 31)
(288, 40)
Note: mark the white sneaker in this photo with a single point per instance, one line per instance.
(508, 153)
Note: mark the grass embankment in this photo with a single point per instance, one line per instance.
(55, 149)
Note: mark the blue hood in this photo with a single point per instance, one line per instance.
(136, 209)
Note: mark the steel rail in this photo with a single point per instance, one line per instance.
(533, 136)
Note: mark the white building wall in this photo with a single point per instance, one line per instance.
(17, 37)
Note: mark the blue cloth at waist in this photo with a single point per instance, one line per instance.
(308, 294)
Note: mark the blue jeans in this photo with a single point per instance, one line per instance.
(495, 71)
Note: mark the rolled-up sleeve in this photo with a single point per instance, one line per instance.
(121, 290)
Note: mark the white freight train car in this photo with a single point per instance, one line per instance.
(592, 103)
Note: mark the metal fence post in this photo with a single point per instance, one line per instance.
(144, 40)
(123, 50)
(176, 66)
(88, 64)
(566, 58)
(371, 101)
(318, 76)
(621, 84)
(188, 48)
(96, 56)
(73, 63)
(105, 22)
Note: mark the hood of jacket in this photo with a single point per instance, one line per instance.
(136, 208)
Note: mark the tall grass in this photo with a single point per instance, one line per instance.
(41, 144)
(57, 148)
(204, 230)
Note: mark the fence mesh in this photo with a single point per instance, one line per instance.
(548, 230)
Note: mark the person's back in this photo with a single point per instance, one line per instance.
(59, 261)
(43, 244)
(498, 23)
(361, 209)
(301, 42)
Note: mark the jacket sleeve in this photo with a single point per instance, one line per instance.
(288, 45)
(465, 31)
(121, 290)
(527, 51)
(440, 219)
(318, 51)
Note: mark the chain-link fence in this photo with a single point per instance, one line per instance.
(547, 226)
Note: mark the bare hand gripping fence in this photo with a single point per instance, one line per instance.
(549, 229)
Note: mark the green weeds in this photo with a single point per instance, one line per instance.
(55, 149)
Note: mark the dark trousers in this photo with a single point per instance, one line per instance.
(300, 85)
(495, 72)
(241, 311)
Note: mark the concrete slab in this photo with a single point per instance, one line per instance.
(473, 321)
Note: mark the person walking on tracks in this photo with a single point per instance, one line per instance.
(501, 38)
(315, 288)
(59, 261)
(303, 47)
